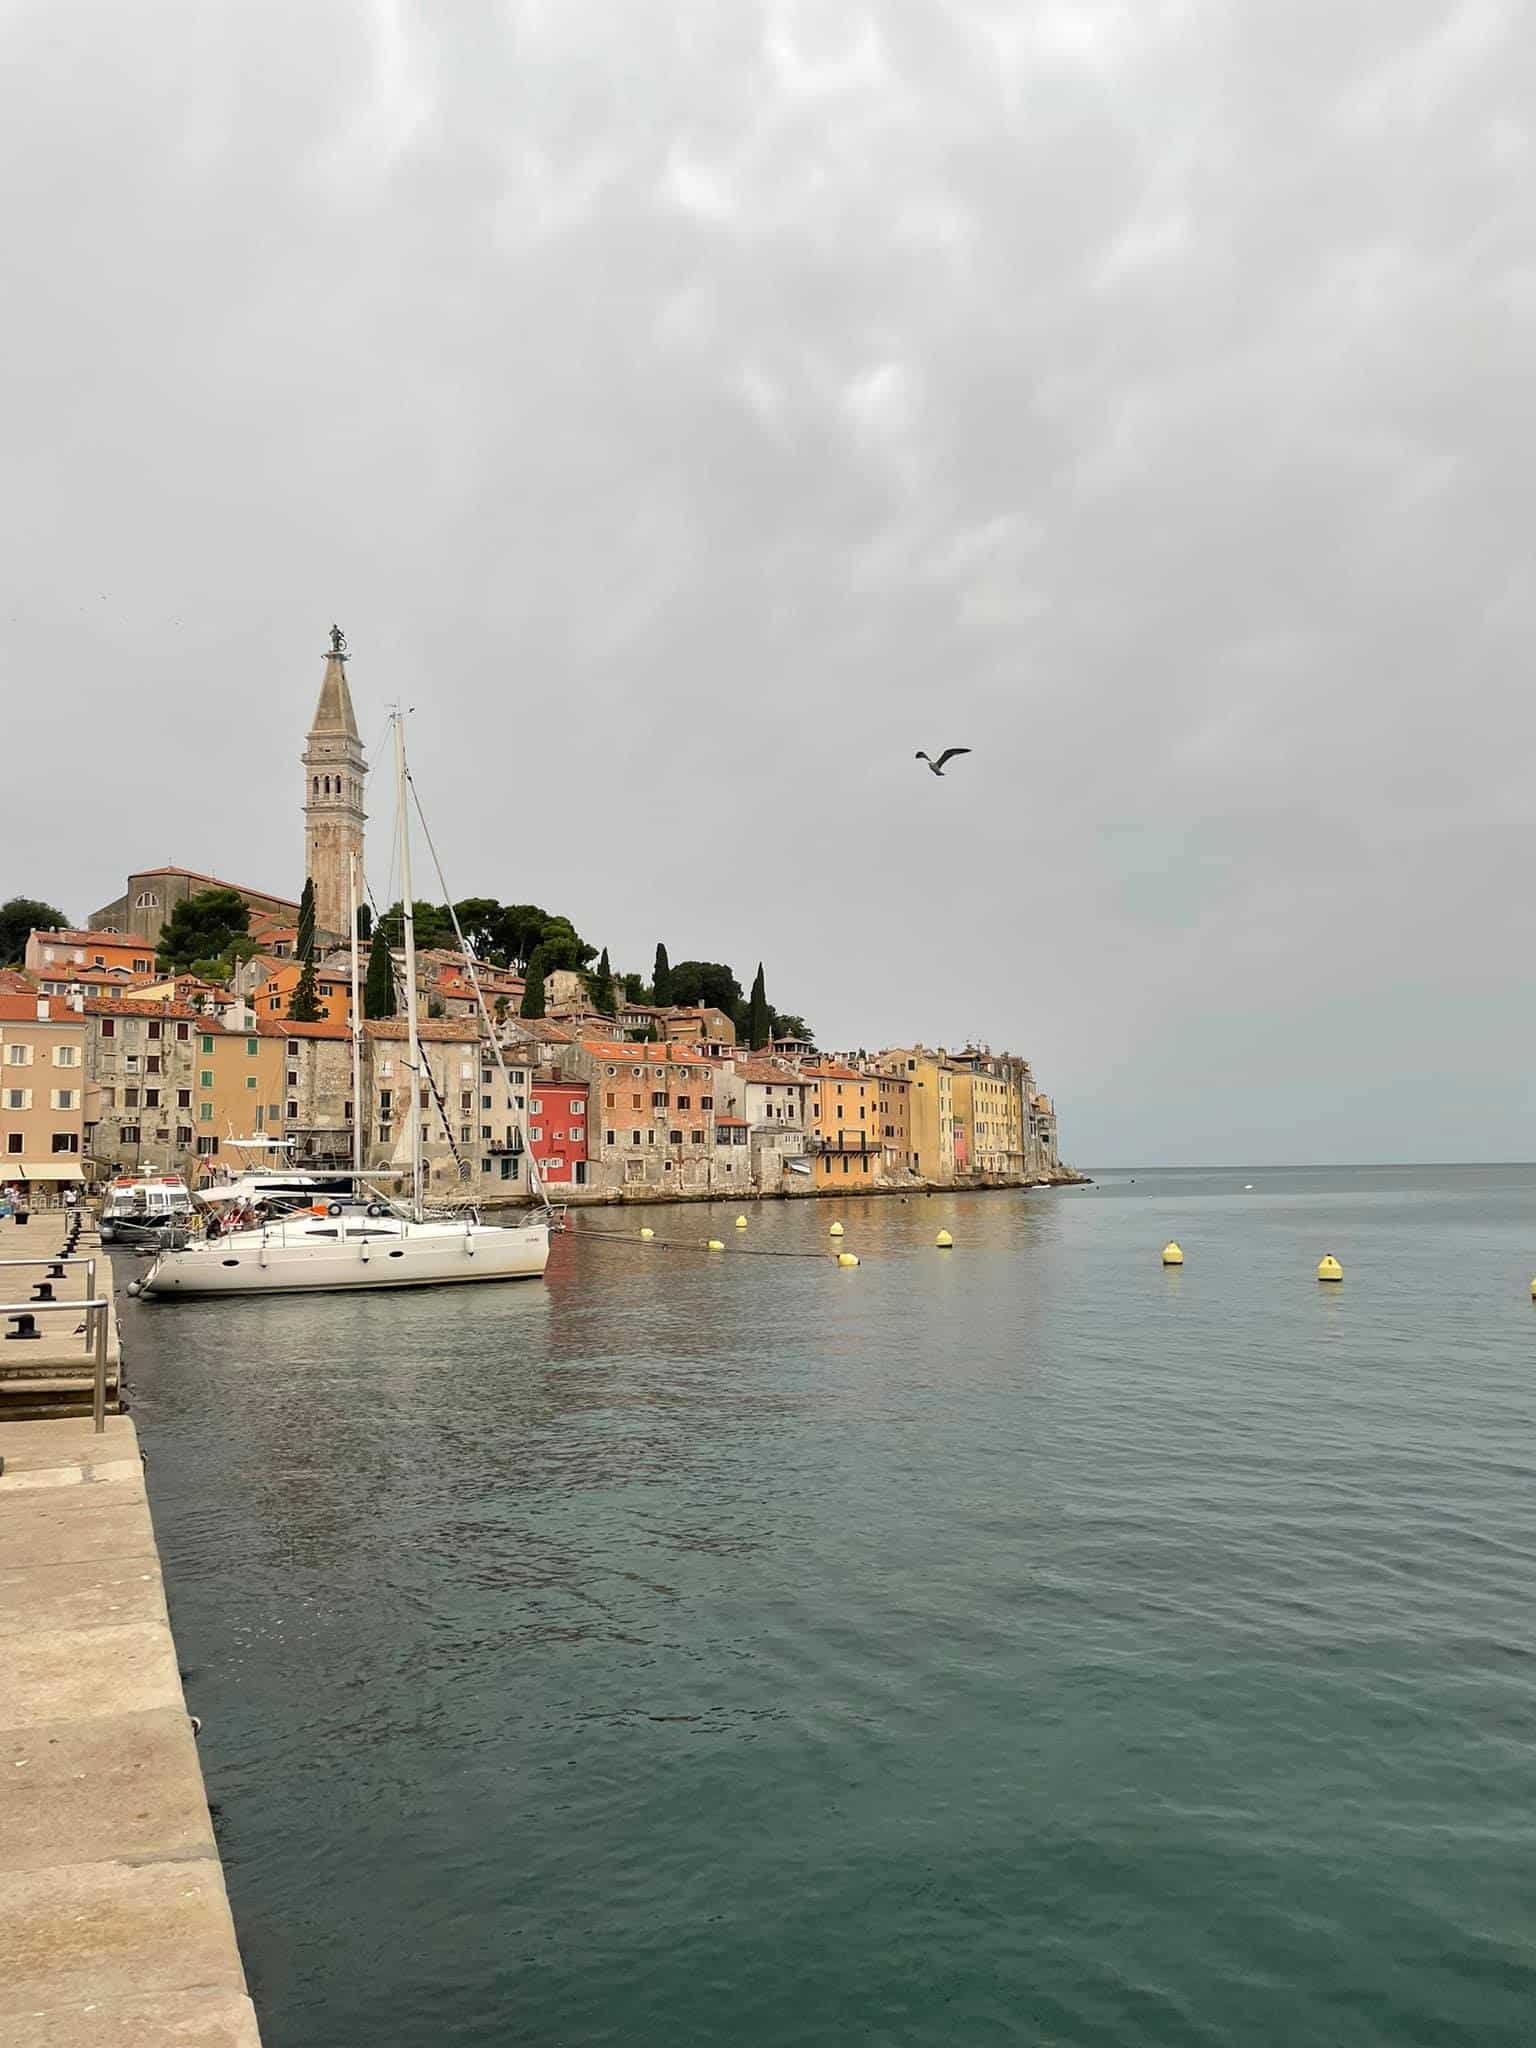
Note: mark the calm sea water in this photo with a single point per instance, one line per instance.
(1015, 1644)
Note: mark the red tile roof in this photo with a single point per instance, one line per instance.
(217, 881)
(124, 1006)
(290, 1027)
(73, 938)
(20, 1009)
(12, 982)
(676, 1053)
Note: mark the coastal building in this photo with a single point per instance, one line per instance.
(931, 1110)
(335, 776)
(43, 1082)
(333, 990)
(446, 1100)
(557, 1130)
(1042, 1119)
(771, 1101)
(987, 1112)
(316, 1089)
(898, 1160)
(66, 955)
(152, 894)
(651, 1110)
(141, 1065)
(843, 1109)
(503, 1126)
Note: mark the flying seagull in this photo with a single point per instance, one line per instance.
(937, 767)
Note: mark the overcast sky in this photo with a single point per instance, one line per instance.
(692, 407)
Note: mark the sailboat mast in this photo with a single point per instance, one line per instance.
(357, 1027)
(413, 1050)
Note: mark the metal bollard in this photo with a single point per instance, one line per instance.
(99, 1389)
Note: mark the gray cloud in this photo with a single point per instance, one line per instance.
(693, 410)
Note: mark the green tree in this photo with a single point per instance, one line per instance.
(379, 990)
(364, 923)
(706, 981)
(480, 920)
(634, 989)
(202, 927)
(304, 946)
(758, 1027)
(521, 928)
(563, 946)
(784, 1025)
(19, 918)
(304, 1003)
(600, 987)
(661, 979)
(533, 992)
(434, 927)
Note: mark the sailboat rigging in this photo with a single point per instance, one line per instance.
(358, 1242)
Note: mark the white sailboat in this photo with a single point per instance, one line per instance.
(352, 1243)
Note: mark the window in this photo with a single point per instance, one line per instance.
(383, 1134)
(384, 1102)
(612, 1071)
(658, 1098)
(205, 1112)
(151, 1098)
(183, 1098)
(18, 1098)
(674, 1137)
(148, 900)
(706, 1102)
(18, 1055)
(183, 1032)
(293, 1078)
(634, 1137)
(66, 1141)
(206, 1147)
(66, 1056)
(132, 1063)
(13, 1141)
(467, 1099)
(130, 1098)
(251, 1045)
(486, 1132)
(293, 1112)
(128, 1134)
(536, 1106)
(578, 1109)
(608, 1099)
(139, 966)
(611, 1137)
(154, 1027)
(152, 1063)
(109, 1027)
(207, 1043)
(183, 1135)
(485, 1102)
(698, 1137)
(464, 1134)
(536, 1133)
(250, 1080)
(205, 1078)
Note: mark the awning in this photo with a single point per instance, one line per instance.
(50, 1170)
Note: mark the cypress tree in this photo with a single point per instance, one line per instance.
(306, 942)
(600, 986)
(304, 1003)
(661, 979)
(533, 992)
(758, 1028)
(379, 989)
(364, 923)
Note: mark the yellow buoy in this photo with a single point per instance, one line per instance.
(715, 1245)
(836, 1230)
(741, 1222)
(944, 1241)
(1533, 1290)
(647, 1232)
(847, 1258)
(1173, 1254)
(1328, 1268)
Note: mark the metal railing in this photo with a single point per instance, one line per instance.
(97, 1319)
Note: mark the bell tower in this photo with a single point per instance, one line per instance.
(334, 777)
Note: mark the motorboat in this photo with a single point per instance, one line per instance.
(141, 1211)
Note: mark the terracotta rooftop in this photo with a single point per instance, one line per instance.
(765, 1070)
(13, 982)
(67, 936)
(290, 1027)
(677, 1053)
(125, 1006)
(436, 1030)
(22, 1009)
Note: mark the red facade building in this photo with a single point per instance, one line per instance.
(557, 1131)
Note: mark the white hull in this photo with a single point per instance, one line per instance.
(392, 1254)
